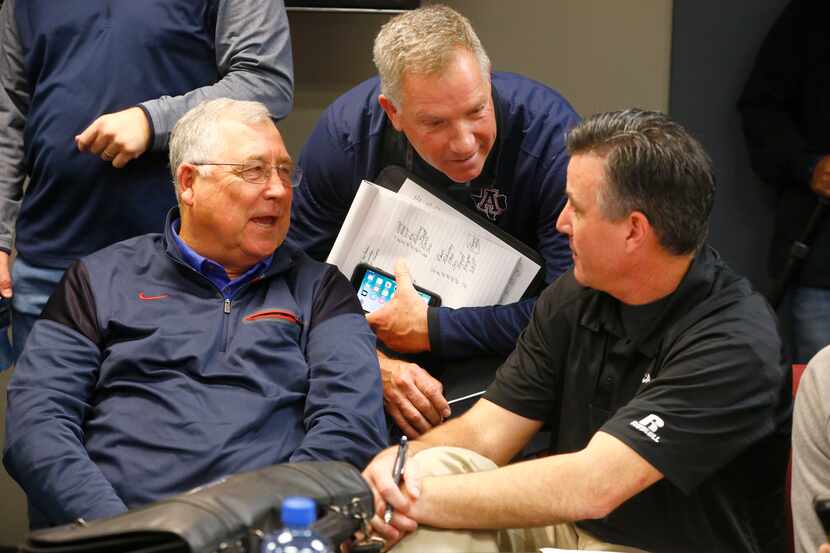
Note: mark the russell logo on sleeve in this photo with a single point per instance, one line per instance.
(649, 425)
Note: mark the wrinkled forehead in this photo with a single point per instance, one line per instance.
(252, 140)
(459, 85)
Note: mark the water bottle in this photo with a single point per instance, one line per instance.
(296, 536)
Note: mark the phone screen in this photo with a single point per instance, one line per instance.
(376, 290)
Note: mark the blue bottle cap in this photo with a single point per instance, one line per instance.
(298, 511)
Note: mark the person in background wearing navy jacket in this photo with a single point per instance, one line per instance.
(170, 360)
(100, 79)
(494, 142)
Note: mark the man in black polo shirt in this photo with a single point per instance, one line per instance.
(658, 369)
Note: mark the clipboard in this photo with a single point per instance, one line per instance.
(392, 178)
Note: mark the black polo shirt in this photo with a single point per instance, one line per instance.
(695, 384)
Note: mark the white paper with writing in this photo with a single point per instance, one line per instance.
(448, 255)
(526, 268)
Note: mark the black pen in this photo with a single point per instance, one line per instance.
(397, 471)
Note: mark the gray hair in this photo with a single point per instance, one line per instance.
(197, 136)
(423, 41)
(654, 166)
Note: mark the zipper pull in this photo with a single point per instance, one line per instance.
(227, 308)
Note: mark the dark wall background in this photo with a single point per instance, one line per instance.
(713, 48)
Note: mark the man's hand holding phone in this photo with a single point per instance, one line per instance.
(412, 397)
(401, 324)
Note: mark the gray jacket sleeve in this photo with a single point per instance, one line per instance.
(253, 55)
(14, 105)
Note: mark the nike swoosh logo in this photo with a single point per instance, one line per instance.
(144, 297)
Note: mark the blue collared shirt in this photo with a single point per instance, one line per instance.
(214, 271)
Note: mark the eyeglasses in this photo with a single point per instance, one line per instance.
(259, 172)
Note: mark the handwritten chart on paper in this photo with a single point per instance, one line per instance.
(444, 254)
(526, 268)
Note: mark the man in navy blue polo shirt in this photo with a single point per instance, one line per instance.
(492, 141)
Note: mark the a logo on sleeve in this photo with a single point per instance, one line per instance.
(649, 425)
(273, 314)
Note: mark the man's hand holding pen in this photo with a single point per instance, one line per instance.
(396, 498)
(397, 473)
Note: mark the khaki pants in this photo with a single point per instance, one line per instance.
(453, 460)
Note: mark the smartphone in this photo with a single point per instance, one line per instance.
(376, 287)
(822, 507)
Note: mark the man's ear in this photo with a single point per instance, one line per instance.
(639, 230)
(186, 177)
(391, 111)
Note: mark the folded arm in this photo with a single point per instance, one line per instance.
(582, 485)
(587, 484)
(253, 56)
(344, 417)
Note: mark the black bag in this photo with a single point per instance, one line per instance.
(228, 516)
